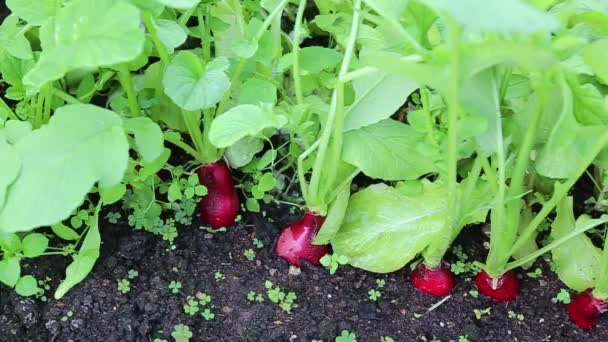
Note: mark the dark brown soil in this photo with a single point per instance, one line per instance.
(326, 304)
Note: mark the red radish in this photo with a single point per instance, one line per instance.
(436, 282)
(585, 309)
(220, 206)
(503, 289)
(295, 242)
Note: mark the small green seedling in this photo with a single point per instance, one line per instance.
(482, 312)
(249, 254)
(254, 297)
(563, 296)
(346, 336)
(132, 274)
(175, 286)
(286, 301)
(333, 261)
(374, 295)
(207, 314)
(464, 338)
(380, 283)
(219, 276)
(513, 315)
(181, 333)
(474, 293)
(535, 274)
(124, 286)
(386, 339)
(258, 243)
(67, 315)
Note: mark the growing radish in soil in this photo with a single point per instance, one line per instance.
(503, 289)
(437, 282)
(295, 242)
(585, 309)
(220, 207)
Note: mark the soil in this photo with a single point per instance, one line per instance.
(326, 304)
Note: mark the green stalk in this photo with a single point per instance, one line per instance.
(437, 249)
(126, 80)
(160, 47)
(37, 122)
(301, 175)
(205, 33)
(426, 107)
(601, 285)
(336, 111)
(179, 143)
(11, 114)
(241, 66)
(64, 96)
(532, 256)
(297, 32)
(183, 19)
(507, 234)
(48, 101)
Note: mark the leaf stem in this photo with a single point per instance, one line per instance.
(437, 249)
(126, 80)
(297, 32)
(64, 96)
(160, 47)
(601, 287)
(11, 114)
(337, 109)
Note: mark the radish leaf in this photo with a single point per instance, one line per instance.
(385, 227)
(10, 270)
(377, 97)
(87, 34)
(60, 162)
(242, 121)
(577, 260)
(389, 150)
(84, 261)
(34, 12)
(193, 86)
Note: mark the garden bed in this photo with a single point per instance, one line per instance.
(326, 304)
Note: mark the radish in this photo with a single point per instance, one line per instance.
(503, 289)
(295, 242)
(585, 309)
(437, 282)
(220, 206)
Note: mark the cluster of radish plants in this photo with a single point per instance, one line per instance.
(457, 112)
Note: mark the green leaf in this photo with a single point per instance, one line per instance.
(594, 55)
(27, 286)
(170, 33)
(10, 243)
(252, 205)
(512, 16)
(267, 182)
(60, 163)
(479, 97)
(11, 165)
(334, 218)
(175, 192)
(148, 137)
(12, 39)
(568, 142)
(377, 97)
(10, 270)
(87, 34)
(255, 91)
(576, 261)
(242, 121)
(391, 9)
(112, 194)
(83, 262)
(150, 168)
(590, 107)
(314, 59)
(14, 130)
(34, 12)
(228, 26)
(388, 150)
(384, 227)
(193, 86)
(179, 4)
(65, 232)
(34, 245)
(242, 152)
